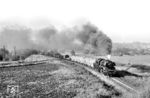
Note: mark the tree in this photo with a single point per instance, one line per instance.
(4, 53)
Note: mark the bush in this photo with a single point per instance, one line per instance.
(15, 58)
(4, 54)
(1, 57)
(24, 53)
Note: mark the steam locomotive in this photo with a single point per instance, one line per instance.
(104, 66)
(101, 65)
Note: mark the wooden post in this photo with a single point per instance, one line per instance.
(15, 51)
(4, 54)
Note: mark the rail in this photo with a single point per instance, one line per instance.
(22, 63)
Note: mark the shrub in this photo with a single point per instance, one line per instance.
(4, 54)
(23, 53)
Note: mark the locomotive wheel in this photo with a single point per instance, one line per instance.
(100, 70)
(105, 72)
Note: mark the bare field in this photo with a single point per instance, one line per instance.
(54, 80)
(139, 59)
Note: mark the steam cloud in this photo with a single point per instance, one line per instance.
(86, 35)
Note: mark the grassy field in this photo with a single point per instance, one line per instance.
(54, 80)
(137, 76)
(140, 65)
(57, 80)
(139, 59)
(125, 59)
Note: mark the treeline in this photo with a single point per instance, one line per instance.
(6, 55)
(129, 51)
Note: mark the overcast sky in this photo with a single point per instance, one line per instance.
(122, 20)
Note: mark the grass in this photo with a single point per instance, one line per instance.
(140, 59)
(140, 65)
(143, 88)
(67, 81)
(54, 81)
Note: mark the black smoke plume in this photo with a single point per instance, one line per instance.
(85, 37)
(95, 41)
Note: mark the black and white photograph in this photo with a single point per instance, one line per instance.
(74, 49)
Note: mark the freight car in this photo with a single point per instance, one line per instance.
(67, 57)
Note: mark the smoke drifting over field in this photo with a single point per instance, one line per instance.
(86, 36)
(95, 41)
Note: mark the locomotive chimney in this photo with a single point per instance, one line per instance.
(108, 56)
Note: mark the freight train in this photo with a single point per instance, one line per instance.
(105, 66)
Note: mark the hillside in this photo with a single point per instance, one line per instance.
(134, 45)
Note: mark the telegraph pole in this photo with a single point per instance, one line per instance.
(15, 51)
(4, 52)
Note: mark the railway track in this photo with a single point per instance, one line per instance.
(23, 63)
(116, 82)
(125, 85)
